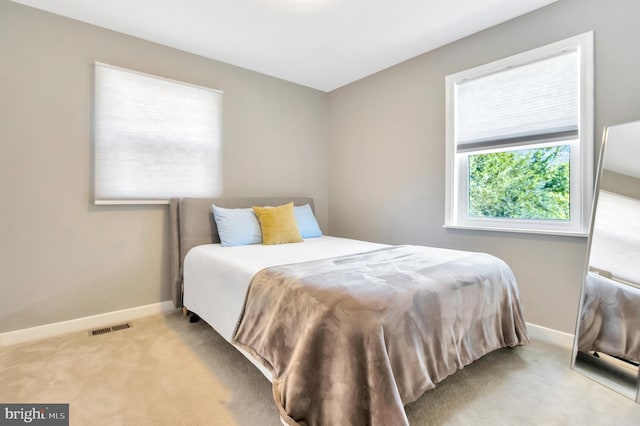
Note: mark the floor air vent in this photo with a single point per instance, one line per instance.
(106, 330)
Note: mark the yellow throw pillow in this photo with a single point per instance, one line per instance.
(278, 224)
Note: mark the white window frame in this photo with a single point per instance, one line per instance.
(127, 172)
(581, 158)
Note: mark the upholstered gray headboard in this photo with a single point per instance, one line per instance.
(192, 224)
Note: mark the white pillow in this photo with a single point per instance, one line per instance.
(237, 227)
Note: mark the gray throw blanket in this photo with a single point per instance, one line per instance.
(610, 322)
(351, 340)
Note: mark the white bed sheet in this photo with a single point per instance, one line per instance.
(216, 278)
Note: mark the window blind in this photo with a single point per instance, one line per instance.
(154, 138)
(538, 101)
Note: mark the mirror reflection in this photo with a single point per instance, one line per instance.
(607, 346)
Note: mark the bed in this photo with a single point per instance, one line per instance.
(347, 331)
(609, 321)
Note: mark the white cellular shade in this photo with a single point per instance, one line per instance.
(539, 100)
(155, 138)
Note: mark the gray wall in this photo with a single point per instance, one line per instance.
(62, 257)
(387, 147)
(619, 183)
(383, 170)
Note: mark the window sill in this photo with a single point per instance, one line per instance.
(518, 230)
(127, 202)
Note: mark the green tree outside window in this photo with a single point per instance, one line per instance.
(524, 184)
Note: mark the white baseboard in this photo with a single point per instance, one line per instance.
(84, 323)
(536, 332)
(550, 336)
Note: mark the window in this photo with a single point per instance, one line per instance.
(154, 138)
(520, 142)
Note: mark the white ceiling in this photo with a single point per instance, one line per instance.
(323, 44)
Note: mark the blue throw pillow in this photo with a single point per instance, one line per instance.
(237, 227)
(307, 223)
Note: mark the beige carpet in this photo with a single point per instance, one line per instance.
(165, 371)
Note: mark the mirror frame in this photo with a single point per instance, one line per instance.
(596, 195)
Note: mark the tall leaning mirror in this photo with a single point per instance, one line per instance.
(607, 343)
